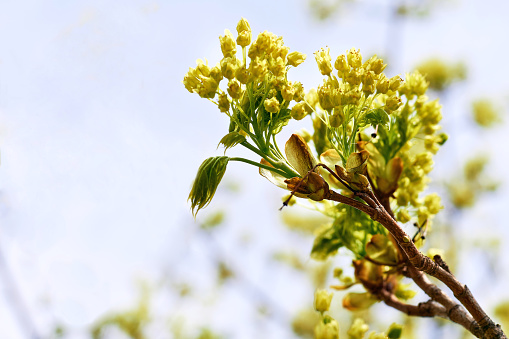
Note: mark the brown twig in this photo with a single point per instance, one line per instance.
(481, 325)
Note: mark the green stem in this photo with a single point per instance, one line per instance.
(267, 167)
(280, 165)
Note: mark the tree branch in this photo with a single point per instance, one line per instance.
(429, 308)
(481, 325)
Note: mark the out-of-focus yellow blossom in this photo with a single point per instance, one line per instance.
(415, 85)
(322, 300)
(358, 329)
(441, 74)
(403, 216)
(485, 114)
(327, 328)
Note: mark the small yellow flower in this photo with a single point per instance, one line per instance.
(382, 86)
(244, 31)
(322, 300)
(395, 82)
(415, 85)
(433, 203)
(354, 58)
(327, 328)
(287, 92)
(353, 77)
(323, 60)
(228, 46)
(271, 105)
(341, 64)
(229, 66)
(223, 104)
(258, 68)
(299, 111)
(403, 216)
(296, 58)
(393, 103)
(234, 89)
(242, 75)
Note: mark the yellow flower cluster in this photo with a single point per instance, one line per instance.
(354, 83)
(265, 75)
(412, 182)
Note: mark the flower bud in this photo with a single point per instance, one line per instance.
(234, 89)
(323, 60)
(368, 77)
(382, 85)
(229, 67)
(208, 88)
(352, 97)
(326, 97)
(402, 198)
(242, 75)
(191, 81)
(223, 104)
(430, 143)
(353, 77)
(393, 103)
(299, 111)
(296, 58)
(368, 89)
(228, 46)
(202, 69)
(299, 92)
(376, 65)
(358, 329)
(322, 300)
(415, 85)
(287, 92)
(244, 31)
(215, 73)
(271, 105)
(277, 66)
(327, 328)
(395, 82)
(258, 68)
(341, 64)
(337, 118)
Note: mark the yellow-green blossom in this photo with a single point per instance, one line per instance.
(323, 60)
(296, 58)
(271, 105)
(228, 46)
(244, 31)
(322, 300)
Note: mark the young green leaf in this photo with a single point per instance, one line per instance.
(231, 139)
(205, 184)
